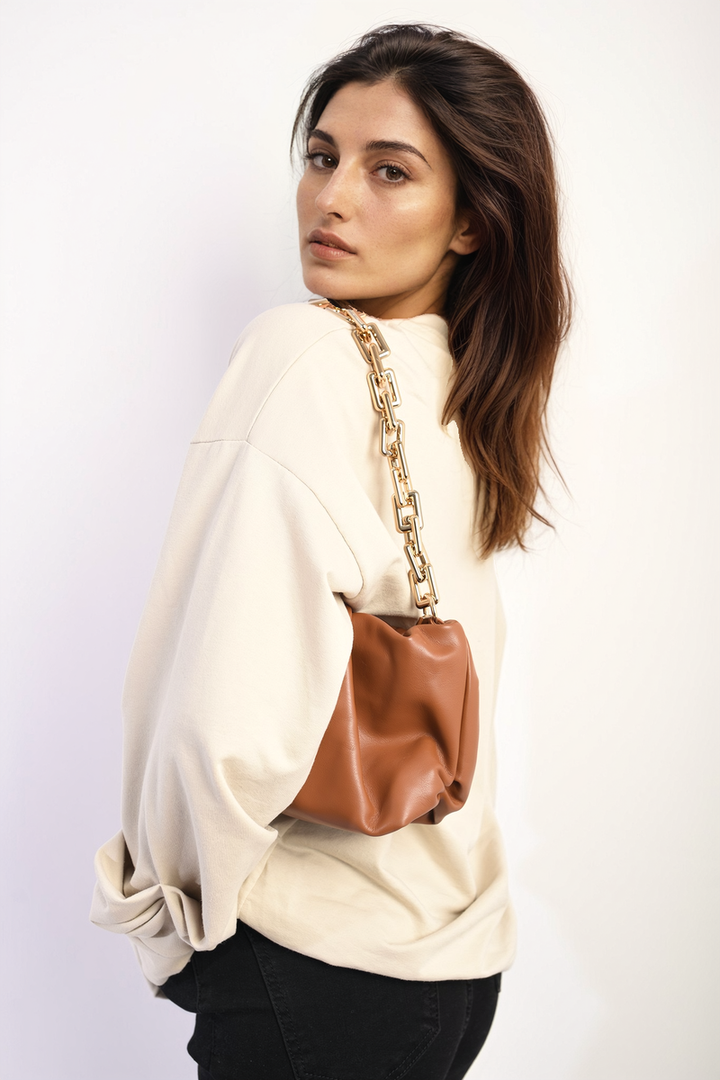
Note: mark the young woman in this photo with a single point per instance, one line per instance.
(428, 202)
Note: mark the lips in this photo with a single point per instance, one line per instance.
(329, 240)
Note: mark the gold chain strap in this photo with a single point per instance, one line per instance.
(385, 396)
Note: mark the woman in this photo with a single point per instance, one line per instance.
(429, 202)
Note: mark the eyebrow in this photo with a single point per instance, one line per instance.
(376, 144)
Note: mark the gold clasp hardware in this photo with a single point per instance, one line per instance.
(391, 448)
(406, 512)
(418, 562)
(425, 599)
(400, 483)
(382, 385)
(366, 335)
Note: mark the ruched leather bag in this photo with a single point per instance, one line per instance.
(402, 743)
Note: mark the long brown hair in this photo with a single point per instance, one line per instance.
(508, 305)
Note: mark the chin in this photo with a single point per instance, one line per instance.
(325, 281)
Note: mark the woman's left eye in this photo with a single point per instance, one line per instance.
(393, 173)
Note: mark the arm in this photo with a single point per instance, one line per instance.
(234, 675)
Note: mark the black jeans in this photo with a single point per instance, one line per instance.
(267, 1013)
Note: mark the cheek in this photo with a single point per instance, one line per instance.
(417, 225)
(307, 191)
(301, 199)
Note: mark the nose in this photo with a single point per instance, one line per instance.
(339, 195)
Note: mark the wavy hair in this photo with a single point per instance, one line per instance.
(509, 303)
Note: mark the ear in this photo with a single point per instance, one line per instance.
(468, 235)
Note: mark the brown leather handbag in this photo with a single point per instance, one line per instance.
(402, 742)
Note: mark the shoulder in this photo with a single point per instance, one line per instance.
(287, 330)
(272, 346)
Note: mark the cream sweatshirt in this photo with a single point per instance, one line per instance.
(283, 514)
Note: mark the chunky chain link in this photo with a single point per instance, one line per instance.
(385, 396)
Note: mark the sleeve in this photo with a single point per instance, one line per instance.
(233, 677)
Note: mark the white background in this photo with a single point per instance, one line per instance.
(147, 216)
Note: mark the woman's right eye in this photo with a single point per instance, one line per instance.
(320, 160)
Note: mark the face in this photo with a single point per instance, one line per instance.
(376, 205)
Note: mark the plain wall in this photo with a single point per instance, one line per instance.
(147, 216)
